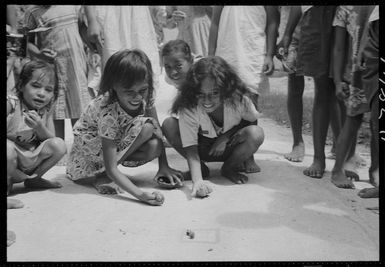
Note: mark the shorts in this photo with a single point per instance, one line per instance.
(205, 144)
(315, 43)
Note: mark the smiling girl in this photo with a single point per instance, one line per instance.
(32, 148)
(120, 126)
(217, 122)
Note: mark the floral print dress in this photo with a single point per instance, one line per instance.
(102, 119)
(353, 19)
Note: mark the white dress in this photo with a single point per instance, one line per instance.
(195, 28)
(129, 27)
(242, 43)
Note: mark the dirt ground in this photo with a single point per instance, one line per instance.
(279, 215)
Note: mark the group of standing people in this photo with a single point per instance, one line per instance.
(219, 65)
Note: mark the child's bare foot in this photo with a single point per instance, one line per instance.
(368, 192)
(104, 185)
(14, 203)
(297, 154)
(41, 183)
(316, 170)
(340, 180)
(11, 238)
(204, 169)
(350, 169)
(251, 166)
(233, 175)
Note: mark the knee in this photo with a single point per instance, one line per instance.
(146, 132)
(11, 154)
(254, 136)
(154, 148)
(170, 127)
(57, 147)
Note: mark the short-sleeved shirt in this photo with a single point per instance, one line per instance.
(196, 121)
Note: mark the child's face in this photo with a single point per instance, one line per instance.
(176, 67)
(130, 99)
(39, 90)
(209, 97)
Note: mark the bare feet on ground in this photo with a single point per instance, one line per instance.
(340, 180)
(14, 203)
(234, 175)
(369, 192)
(297, 154)
(316, 170)
(104, 185)
(41, 183)
(350, 168)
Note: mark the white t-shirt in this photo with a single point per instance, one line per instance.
(196, 121)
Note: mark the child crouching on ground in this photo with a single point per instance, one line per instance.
(32, 148)
(120, 126)
(217, 122)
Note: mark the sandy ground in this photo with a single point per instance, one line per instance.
(279, 215)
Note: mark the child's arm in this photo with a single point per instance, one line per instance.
(213, 36)
(339, 48)
(294, 17)
(45, 54)
(110, 162)
(199, 189)
(94, 31)
(272, 23)
(175, 176)
(33, 120)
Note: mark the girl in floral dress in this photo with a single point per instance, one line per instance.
(120, 126)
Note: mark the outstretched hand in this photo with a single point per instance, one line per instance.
(155, 198)
(201, 189)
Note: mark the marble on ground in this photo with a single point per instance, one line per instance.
(279, 215)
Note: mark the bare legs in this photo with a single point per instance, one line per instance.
(345, 149)
(324, 90)
(53, 150)
(253, 136)
(241, 155)
(374, 176)
(170, 130)
(145, 147)
(295, 110)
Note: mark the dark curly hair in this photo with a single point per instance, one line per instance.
(126, 68)
(175, 46)
(226, 80)
(27, 72)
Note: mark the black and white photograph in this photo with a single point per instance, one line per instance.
(165, 133)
